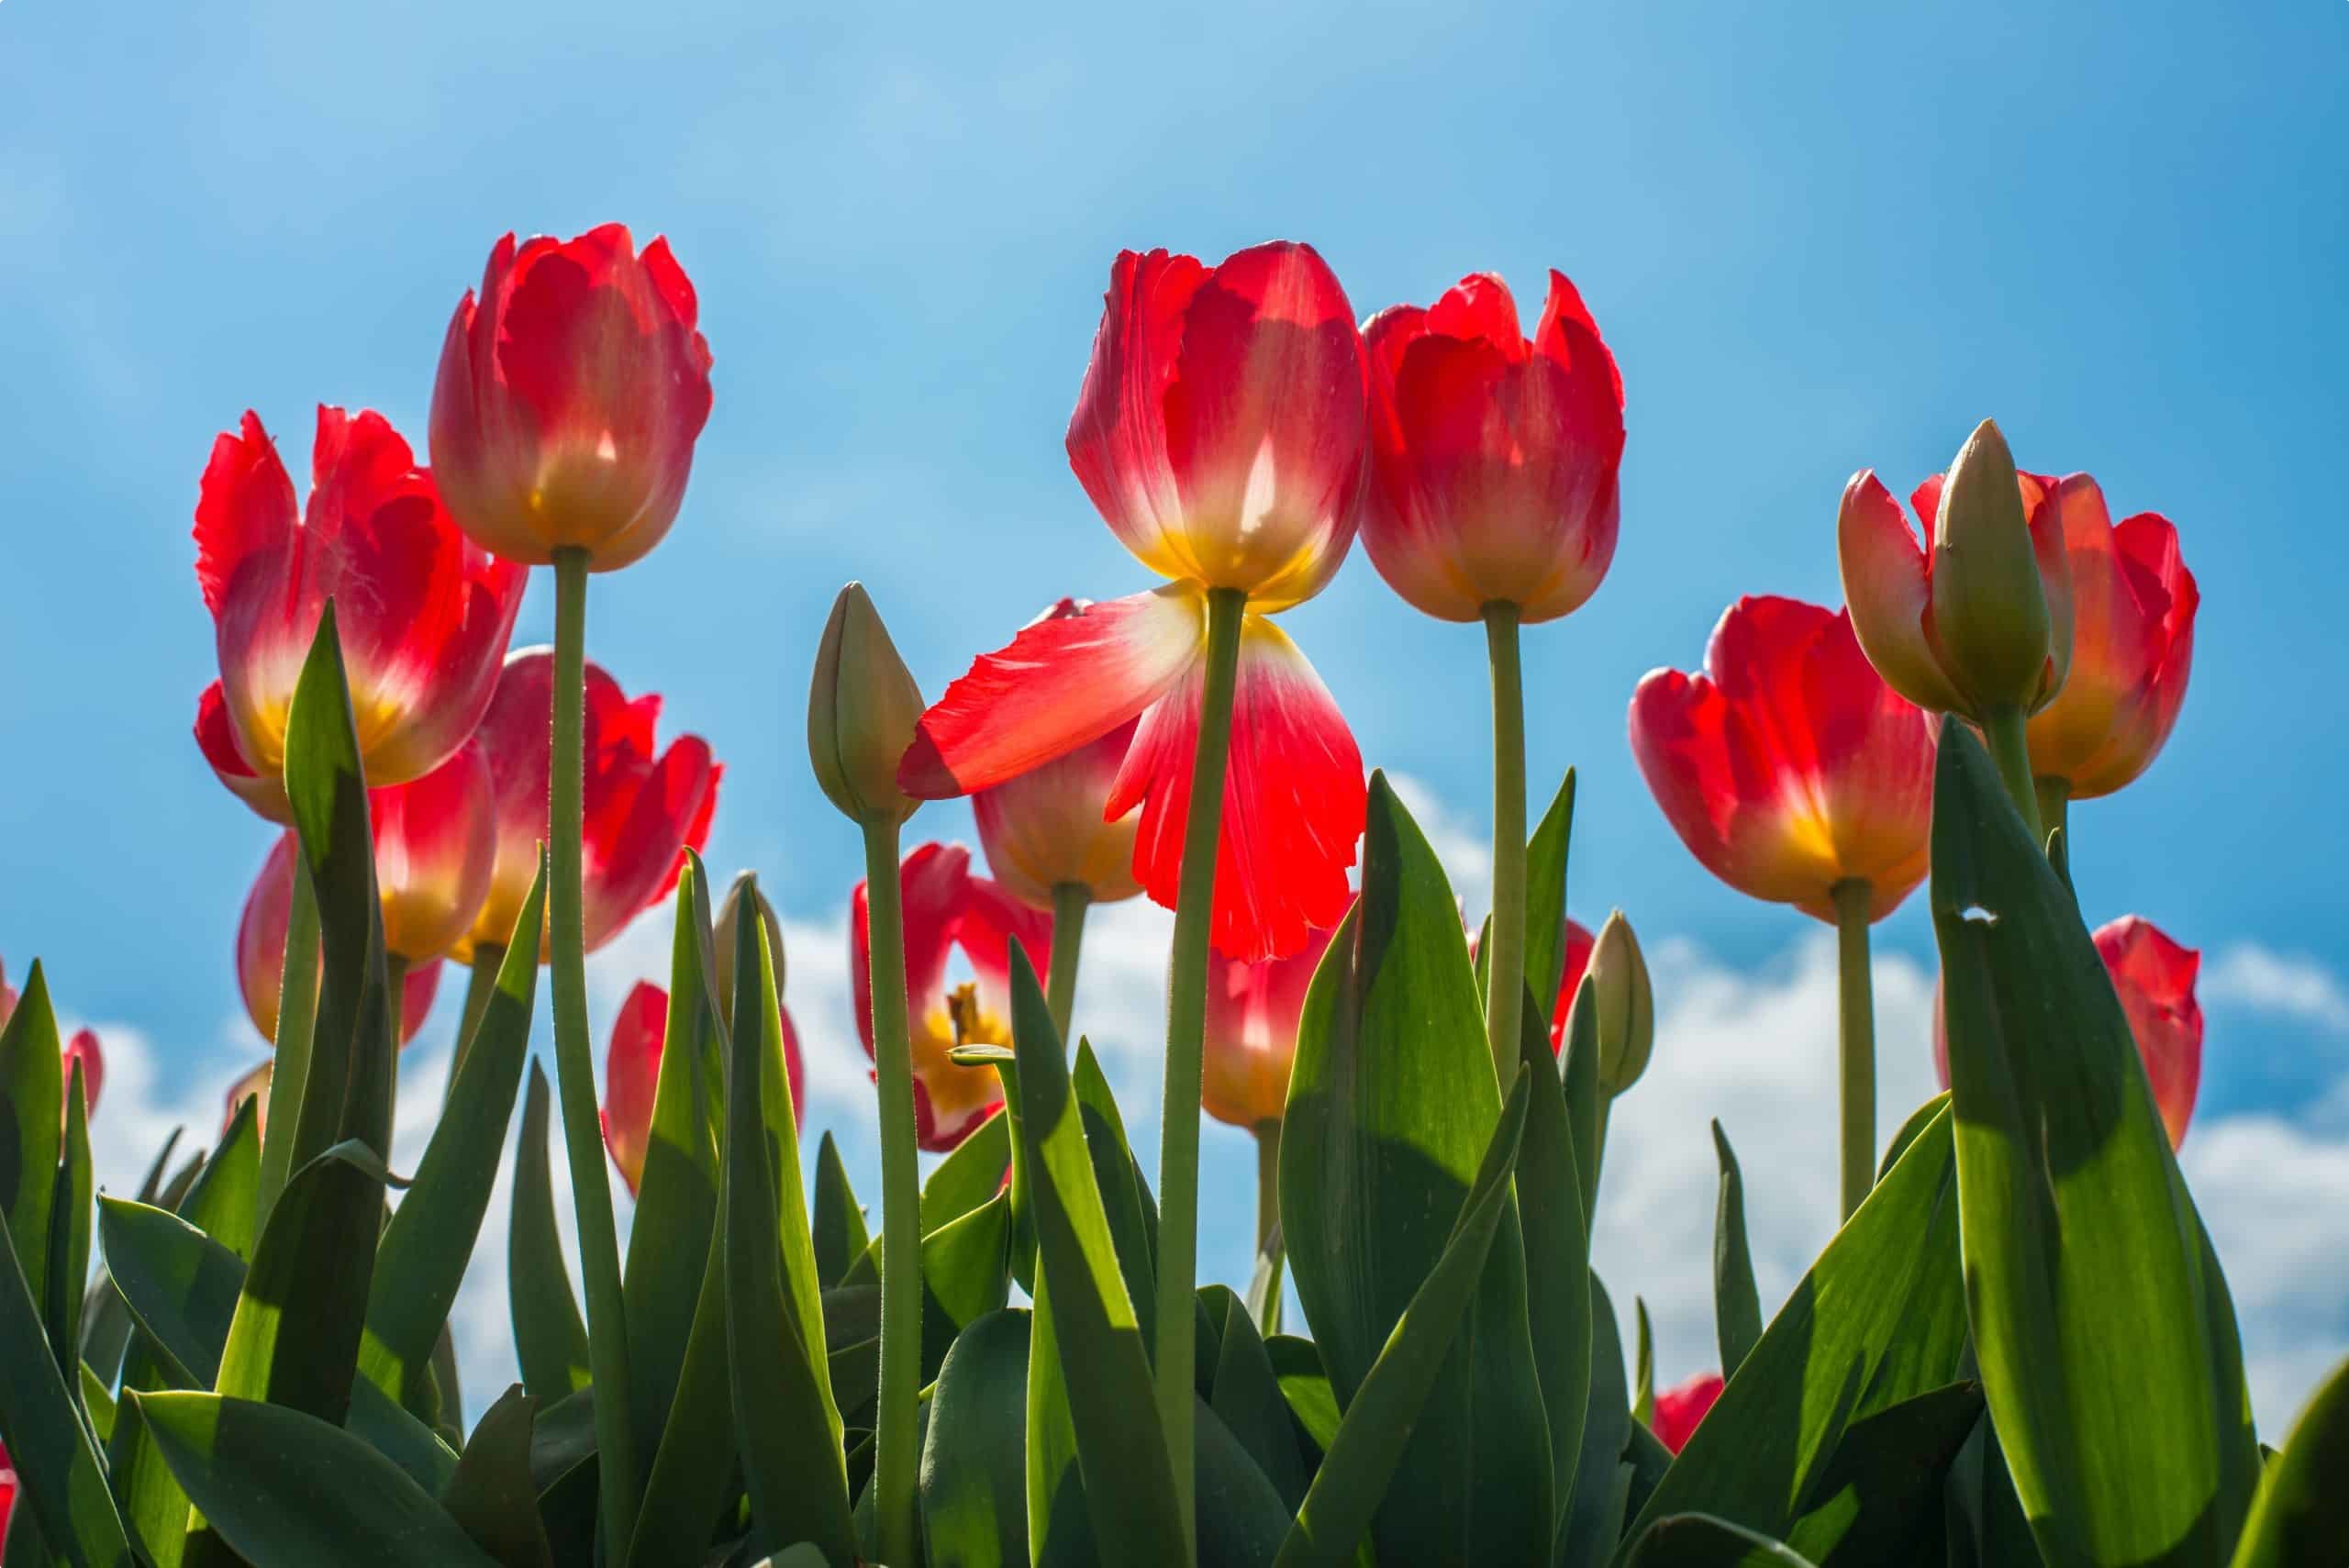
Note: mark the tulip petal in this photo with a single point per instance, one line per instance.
(2155, 977)
(1062, 682)
(1294, 799)
(1885, 583)
(632, 1074)
(216, 736)
(244, 507)
(83, 1048)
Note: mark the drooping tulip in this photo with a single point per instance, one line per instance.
(644, 807)
(423, 614)
(1680, 1409)
(2154, 976)
(1982, 620)
(1252, 1012)
(261, 950)
(1220, 433)
(1049, 827)
(948, 908)
(632, 1075)
(2132, 645)
(1494, 456)
(571, 391)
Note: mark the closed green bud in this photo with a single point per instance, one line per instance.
(1618, 984)
(745, 891)
(861, 709)
(2000, 592)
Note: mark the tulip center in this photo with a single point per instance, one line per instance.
(973, 1024)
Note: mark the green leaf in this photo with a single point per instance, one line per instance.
(838, 1225)
(1246, 1394)
(63, 1480)
(973, 1485)
(1919, 1119)
(1595, 1516)
(550, 1339)
(1392, 1102)
(1373, 1439)
(287, 1490)
(1545, 902)
(294, 1339)
(1982, 1519)
(1083, 1303)
(1877, 1501)
(1304, 1384)
(1557, 1246)
(2087, 1265)
(694, 1465)
(1697, 1540)
(1737, 1306)
(1879, 1318)
(422, 1258)
(69, 1233)
(784, 1415)
(32, 1094)
(1242, 1520)
(969, 1176)
(1133, 1227)
(1644, 1366)
(966, 1274)
(562, 1467)
(1586, 1100)
(2301, 1517)
(491, 1495)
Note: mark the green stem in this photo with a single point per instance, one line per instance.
(2005, 727)
(1070, 901)
(481, 984)
(1856, 1038)
(2054, 797)
(298, 1008)
(1268, 1183)
(600, 1256)
(396, 968)
(1186, 992)
(894, 1457)
(1505, 998)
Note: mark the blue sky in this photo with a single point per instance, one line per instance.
(1817, 238)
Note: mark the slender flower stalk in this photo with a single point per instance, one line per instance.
(1070, 902)
(1505, 1004)
(1178, 1159)
(2055, 797)
(1268, 1184)
(599, 1257)
(1855, 1039)
(297, 1006)
(894, 1458)
(2006, 729)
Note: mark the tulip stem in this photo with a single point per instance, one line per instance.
(1187, 995)
(1854, 904)
(297, 1006)
(1070, 902)
(893, 1456)
(599, 1257)
(2004, 728)
(2055, 797)
(395, 1005)
(481, 984)
(1268, 1184)
(1505, 996)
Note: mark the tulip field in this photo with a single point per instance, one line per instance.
(2018, 1348)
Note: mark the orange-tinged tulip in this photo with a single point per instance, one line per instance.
(434, 852)
(1252, 1012)
(253, 1086)
(1679, 1409)
(571, 391)
(1049, 826)
(948, 909)
(422, 614)
(1787, 764)
(2154, 976)
(261, 950)
(1494, 456)
(2132, 646)
(633, 1077)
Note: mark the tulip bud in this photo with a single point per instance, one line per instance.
(1626, 1003)
(2001, 639)
(729, 916)
(861, 709)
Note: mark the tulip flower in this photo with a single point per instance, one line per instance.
(1579, 942)
(632, 1076)
(1797, 773)
(253, 1086)
(1251, 1016)
(84, 1048)
(261, 950)
(571, 391)
(644, 807)
(1220, 434)
(947, 909)
(2154, 976)
(422, 614)
(1680, 1409)
(2132, 645)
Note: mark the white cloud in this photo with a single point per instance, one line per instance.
(2292, 985)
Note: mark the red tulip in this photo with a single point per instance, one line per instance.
(1678, 1410)
(1889, 578)
(84, 1048)
(435, 847)
(2132, 644)
(2154, 977)
(8, 1489)
(571, 391)
(644, 807)
(1493, 457)
(632, 1075)
(1220, 433)
(1579, 944)
(423, 615)
(1252, 1012)
(253, 1086)
(1048, 826)
(946, 907)
(261, 950)
(1787, 764)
